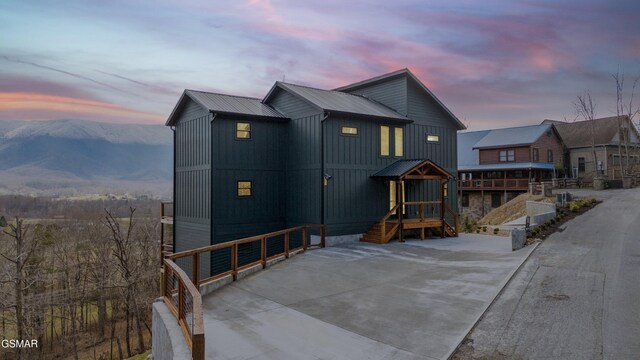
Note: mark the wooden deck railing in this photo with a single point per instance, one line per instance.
(185, 302)
(496, 184)
(166, 217)
(181, 291)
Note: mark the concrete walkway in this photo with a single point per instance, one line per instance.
(415, 300)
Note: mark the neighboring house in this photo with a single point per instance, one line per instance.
(495, 166)
(342, 158)
(608, 134)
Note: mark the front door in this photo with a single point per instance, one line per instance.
(393, 197)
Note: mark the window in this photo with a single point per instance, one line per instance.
(581, 166)
(445, 190)
(465, 200)
(399, 142)
(507, 155)
(384, 140)
(496, 200)
(550, 155)
(243, 130)
(349, 130)
(536, 156)
(432, 138)
(244, 188)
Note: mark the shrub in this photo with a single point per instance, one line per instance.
(468, 224)
(552, 221)
(496, 231)
(574, 206)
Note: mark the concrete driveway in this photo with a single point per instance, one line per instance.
(413, 300)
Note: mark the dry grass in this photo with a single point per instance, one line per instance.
(516, 208)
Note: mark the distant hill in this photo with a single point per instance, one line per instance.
(76, 157)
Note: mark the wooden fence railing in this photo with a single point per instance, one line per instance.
(185, 302)
(181, 291)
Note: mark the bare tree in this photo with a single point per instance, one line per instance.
(585, 108)
(20, 255)
(126, 252)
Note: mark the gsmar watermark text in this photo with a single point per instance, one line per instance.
(16, 343)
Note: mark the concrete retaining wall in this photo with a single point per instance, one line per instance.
(541, 218)
(167, 341)
(536, 207)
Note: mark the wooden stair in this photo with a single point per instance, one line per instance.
(374, 235)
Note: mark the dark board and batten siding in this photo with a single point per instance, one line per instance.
(261, 160)
(193, 180)
(392, 93)
(353, 200)
(303, 168)
(430, 118)
(303, 171)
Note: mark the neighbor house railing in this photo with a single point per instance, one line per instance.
(496, 184)
(181, 291)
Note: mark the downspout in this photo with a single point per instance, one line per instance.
(211, 202)
(173, 227)
(322, 173)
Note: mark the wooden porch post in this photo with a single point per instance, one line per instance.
(399, 192)
(442, 207)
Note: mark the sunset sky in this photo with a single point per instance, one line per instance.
(493, 63)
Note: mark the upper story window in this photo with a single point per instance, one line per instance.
(349, 130)
(244, 188)
(384, 141)
(432, 138)
(507, 155)
(536, 155)
(550, 155)
(243, 130)
(399, 142)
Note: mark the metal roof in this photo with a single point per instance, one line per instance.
(339, 101)
(514, 136)
(508, 166)
(226, 104)
(402, 167)
(402, 72)
(467, 155)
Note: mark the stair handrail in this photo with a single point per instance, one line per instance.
(383, 221)
(454, 215)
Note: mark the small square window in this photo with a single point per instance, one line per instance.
(433, 138)
(244, 188)
(507, 155)
(349, 130)
(243, 130)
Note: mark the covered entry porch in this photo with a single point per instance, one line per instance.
(419, 215)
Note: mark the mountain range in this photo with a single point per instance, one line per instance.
(73, 157)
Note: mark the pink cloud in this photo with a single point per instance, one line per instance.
(30, 106)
